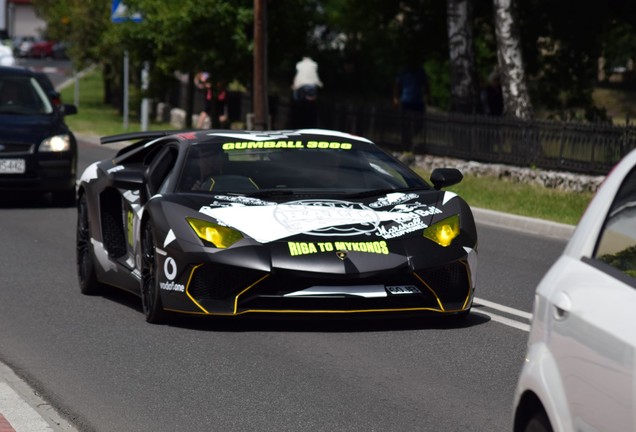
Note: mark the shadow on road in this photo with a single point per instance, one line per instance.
(29, 200)
(328, 324)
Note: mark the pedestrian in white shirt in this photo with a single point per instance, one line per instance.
(306, 81)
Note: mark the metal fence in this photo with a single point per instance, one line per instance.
(576, 147)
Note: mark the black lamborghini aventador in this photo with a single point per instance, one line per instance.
(285, 222)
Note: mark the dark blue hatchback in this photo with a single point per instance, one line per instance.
(38, 152)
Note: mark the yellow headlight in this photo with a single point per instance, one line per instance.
(220, 236)
(444, 231)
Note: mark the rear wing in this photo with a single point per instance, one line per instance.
(140, 138)
(133, 136)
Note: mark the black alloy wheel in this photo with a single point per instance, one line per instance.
(150, 297)
(88, 282)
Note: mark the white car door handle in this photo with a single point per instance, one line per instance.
(562, 305)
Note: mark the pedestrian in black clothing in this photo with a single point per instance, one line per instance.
(492, 96)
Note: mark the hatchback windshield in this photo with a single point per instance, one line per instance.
(209, 168)
(23, 95)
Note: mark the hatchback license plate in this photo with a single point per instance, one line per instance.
(403, 289)
(12, 166)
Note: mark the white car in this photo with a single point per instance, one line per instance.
(6, 56)
(579, 369)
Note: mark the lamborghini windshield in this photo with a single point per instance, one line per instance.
(253, 171)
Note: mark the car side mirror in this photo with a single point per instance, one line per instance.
(444, 177)
(128, 179)
(69, 109)
(132, 180)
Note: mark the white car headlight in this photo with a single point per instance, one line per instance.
(57, 143)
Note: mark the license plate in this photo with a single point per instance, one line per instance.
(12, 166)
(403, 289)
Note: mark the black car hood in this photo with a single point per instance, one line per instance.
(31, 129)
(386, 216)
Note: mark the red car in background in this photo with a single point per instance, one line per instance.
(42, 49)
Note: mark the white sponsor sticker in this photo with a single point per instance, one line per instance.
(403, 289)
(171, 286)
(318, 217)
(170, 268)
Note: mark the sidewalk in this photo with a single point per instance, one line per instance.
(23, 410)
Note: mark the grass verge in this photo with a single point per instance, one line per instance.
(95, 118)
(521, 199)
(491, 193)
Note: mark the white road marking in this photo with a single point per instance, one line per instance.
(501, 319)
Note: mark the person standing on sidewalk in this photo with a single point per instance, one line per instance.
(203, 83)
(410, 91)
(305, 93)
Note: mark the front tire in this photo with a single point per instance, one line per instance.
(87, 276)
(150, 296)
(538, 423)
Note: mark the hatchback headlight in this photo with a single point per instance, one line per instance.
(57, 143)
(444, 231)
(220, 236)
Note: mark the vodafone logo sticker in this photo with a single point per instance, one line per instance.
(170, 268)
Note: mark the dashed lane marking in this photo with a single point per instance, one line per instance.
(522, 324)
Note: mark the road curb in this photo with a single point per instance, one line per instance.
(523, 223)
(23, 410)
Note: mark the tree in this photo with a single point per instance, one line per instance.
(562, 54)
(547, 51)
(294, 30)
(364, 43)
(513, 79)
(208, 34)
(463, 75)
(80, 23)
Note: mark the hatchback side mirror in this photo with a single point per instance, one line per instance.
(68, 109)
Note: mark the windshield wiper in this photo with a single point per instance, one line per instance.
(270, 193)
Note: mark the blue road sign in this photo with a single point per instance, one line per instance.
(119, 13)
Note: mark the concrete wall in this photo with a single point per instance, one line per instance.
(22, 20)
(550, 179)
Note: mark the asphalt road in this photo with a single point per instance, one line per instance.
(105, 369)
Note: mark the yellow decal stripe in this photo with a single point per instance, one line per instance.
(324, 312)
(187, 290)
(248, 145)
(470, 285)
(245, 290)
(441, 306)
